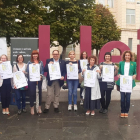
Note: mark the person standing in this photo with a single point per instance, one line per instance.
(106, 87)
(92, 95)
(5, 89)
(72, 83)
(54, 86)
(83, 56)
(128, 68)
(20, 66)
(32, 84)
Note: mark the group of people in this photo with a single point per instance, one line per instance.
(91, 97)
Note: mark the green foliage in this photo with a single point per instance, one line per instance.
(29, 12)
(104, 27)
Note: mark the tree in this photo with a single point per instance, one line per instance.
(104, 27)
(20, 18)
(65, 18)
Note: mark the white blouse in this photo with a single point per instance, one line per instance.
(126, 68)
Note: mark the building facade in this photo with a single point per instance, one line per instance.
(127, 16)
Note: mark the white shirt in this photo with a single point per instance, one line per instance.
(22, 69)
(126, 68)
(55, 61)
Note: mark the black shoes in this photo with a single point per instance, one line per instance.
(101, 110)
(56, 110)
(104, 111)
(46, 111)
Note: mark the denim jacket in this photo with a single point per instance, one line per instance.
(41, 68)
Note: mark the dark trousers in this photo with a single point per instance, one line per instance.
(32, 92)
(125, 102)
(20, 93)
(105, 98)
(6, 95)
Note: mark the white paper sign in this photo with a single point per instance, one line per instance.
(90, 78)
(6, 70)
(19, 79)
(108, 73)
(34, 72)
(83, 63)
(3, 46)
(54, 71)
(72, 71)
(125, 83)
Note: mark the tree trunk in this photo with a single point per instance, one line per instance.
(64, 53)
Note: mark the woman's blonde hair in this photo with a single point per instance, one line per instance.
(71, 52)
(5, 56)
(131, 55)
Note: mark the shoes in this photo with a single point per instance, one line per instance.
(3, 113)
(105, 111)
(126, 115)
(32, 110)
(75, 108)
(122, 115)
(92, 113)
(81, 102)
(88, 112)
(69, 107)
(101, 110)
(19, 112)
(46, 111)
(56, 110)
(24, 110)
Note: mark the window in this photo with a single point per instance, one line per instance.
(130, 0)
(130, 43)
(110, 3)
(130, 16)
(102, 2)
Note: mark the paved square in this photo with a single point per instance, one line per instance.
(71, 125)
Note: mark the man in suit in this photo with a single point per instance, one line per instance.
(54, 86)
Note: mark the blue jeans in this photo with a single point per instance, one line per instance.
(20, 93)
(125, 102)
(72, 90)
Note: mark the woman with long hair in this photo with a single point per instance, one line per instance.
(32, 84)
(127, 67)
(5, 89)
(82, 62)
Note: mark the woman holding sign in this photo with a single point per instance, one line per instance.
(91, 94)
(82, 63)
(35, 72)
(20, 66)
(108, 71)
(72, 79)
(5, 73)
(127, 74)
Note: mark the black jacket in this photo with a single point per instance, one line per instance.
(62, 69)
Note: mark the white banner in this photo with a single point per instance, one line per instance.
(72, 71)
(19, 79)
(108, 73)
(34, 72)
(54, 71)
(126, 83)
(3, 46)
(6, 70)
(90, 78)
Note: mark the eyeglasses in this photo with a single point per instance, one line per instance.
(55, 54)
